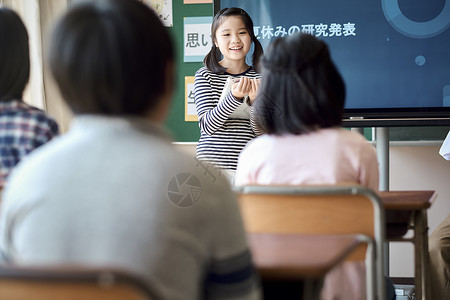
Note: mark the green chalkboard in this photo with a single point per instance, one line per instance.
(418, 133)
(437, 133)
(183, 131)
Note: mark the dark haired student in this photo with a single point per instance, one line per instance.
(224, 115)
(299, 107)
(113, 191)
(23, 127)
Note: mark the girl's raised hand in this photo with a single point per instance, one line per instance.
(254, 87)
(241, 88)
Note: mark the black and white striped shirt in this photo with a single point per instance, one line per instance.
(222, 138)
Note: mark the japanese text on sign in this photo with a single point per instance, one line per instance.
(197, 38)
(319, 30)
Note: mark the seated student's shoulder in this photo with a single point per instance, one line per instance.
(354, 141)
(42, 119)
(23, 107)
(262, 144)
(212, 181)
(342, 135)
(215, 182)
(353, 136)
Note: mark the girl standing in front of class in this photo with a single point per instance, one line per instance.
(224, 108)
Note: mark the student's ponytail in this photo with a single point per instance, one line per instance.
(211, 60)
(257, 53)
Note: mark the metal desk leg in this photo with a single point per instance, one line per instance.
(417, 255)
(422, 258)
(422, 255)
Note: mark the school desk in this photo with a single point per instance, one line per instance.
(408, 210)
(303, 258)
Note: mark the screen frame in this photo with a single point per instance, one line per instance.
(388, 117)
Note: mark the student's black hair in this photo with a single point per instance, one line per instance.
(111, 57)
(14, 56)
(301, 89)
(213, 57)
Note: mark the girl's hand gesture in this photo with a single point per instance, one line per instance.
(254, 87)
(241, 88)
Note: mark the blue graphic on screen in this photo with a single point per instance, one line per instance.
(391, 53)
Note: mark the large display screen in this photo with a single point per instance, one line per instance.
(394, 55)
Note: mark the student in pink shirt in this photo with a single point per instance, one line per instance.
(300, 106)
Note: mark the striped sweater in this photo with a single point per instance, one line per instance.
(222, 137)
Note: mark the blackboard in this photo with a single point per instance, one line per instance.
(183, 131)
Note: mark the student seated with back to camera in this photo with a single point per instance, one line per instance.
(113, 191)
(23, 127)
(299, 106)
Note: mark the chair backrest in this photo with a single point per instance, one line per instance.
(70, 283)
(324, 209)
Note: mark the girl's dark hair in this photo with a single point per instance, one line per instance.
(14, 55)
(111, 57)
(213, 57)
(301, 89)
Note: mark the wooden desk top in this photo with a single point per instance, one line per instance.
(407, 200)
(297, 257)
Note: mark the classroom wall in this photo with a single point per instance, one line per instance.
(412, 166)
(418, 168)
